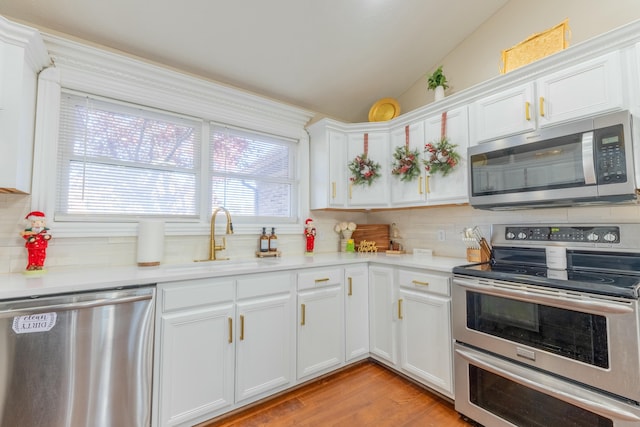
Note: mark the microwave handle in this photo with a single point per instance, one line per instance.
(574, 397)
(588, 164)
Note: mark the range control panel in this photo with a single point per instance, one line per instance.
(596, 234)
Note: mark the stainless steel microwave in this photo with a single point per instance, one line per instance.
(589, 161)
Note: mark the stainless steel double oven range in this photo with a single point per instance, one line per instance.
(547, 333)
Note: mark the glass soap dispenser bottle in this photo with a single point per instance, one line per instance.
(264, 240)
(273, 240)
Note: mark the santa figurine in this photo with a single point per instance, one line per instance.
(37, 239)
(310, 234)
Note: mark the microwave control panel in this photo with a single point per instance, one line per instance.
(610, 155)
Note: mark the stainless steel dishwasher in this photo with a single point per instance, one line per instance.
(77, 360)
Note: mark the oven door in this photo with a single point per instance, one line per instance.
(496, 392)
(585, 338)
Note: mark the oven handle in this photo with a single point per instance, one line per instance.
(594, 306)
(572, 397)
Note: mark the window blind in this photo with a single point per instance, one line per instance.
(118, 161)
(252, 174)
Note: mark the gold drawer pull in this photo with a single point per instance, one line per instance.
(419, 283)
(325, 279)
(350, 293)
(230, 330)
(400, 309)
(241, 327)
(303, 314)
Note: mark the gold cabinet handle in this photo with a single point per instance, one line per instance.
(542, 106)
(241, 327)
(527, 112)
(303, 314)
(333, 190)
(419, 283)
(400, 309)
(230, 330)
(350, 191)
(350, 293)
(420, 186)
(324, 279)
(426, 184)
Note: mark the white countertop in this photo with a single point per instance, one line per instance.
(55, 281)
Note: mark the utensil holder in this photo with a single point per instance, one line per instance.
(481, 254)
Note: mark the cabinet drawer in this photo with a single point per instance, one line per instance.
(315, 278)
(425, 282)
(264, 284)
(194, 293)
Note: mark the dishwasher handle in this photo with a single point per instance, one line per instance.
(100, 302)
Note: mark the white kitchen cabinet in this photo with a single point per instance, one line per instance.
(376, 194)
(408, 193)
(265, 333)
(505, 113)
(591, 87)
(320, 321)
(223, 343)
(425, 328)
(22, 56)
(356, 312)
(454, 187)
(196, 357)
(328, 166)
(382, 314)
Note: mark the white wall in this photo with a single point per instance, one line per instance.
(477, 59)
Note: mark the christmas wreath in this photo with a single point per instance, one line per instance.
(440, 156)
(363, 170)
(406, 163)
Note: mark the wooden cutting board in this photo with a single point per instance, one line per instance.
(378, 233)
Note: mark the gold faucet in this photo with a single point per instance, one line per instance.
(213, 248)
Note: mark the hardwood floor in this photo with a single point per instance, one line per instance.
(366, 394)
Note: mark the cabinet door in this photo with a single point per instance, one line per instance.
(425, 339)
(197, 364)
(327, 166)
(320, 330)
(263, 345)
(454, 187)
(408, 192)
(376, 194)
(356, 312)
(505, 113)
(592, 87)
(382, 314)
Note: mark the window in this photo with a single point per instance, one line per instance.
(252, 174)
(119, 161)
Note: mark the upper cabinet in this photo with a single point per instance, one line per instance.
(22, 56)
(328, 166)
(408, 192)
(375, 146)
(591, 87)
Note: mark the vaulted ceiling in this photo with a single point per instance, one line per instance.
(334, 57)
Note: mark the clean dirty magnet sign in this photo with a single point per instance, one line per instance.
(42, 322)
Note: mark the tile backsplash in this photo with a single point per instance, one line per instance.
(417, 228)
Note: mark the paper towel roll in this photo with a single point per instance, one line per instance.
(150, 242)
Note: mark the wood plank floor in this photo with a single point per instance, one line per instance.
(366, 394)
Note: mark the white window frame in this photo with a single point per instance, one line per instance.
(103, 73)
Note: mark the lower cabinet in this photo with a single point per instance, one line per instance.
(356, 312)
(223, 343)
(425, 329)
(410, 324)
(320, 321)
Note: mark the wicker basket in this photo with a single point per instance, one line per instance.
(536, 47)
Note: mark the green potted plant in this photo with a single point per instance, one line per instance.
(438, 83)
